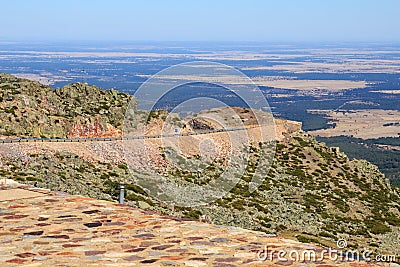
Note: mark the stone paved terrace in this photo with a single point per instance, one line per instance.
(43, 228)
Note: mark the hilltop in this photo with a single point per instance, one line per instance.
(312, 193)
(31, 109)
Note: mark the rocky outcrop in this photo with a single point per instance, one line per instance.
(284, 129)
(93, 130)
(30, 109)
(199, 124)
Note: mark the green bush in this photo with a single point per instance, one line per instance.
(326, 234)
(135, 188)
(193, 214)
(134, 197)
(304, 239)
(377, 228)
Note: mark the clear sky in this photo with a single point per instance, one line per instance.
(201, 20)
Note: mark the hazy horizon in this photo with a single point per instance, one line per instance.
(216, 21)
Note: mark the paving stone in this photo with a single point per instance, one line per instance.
(40, 258)
(136, 250)
(93, 224)
(56, 229)
(25, 255)
(198, 259)
(149, 243)
(149, 261)
(220, 239)
(226, 259)
(57, 236)
(14, 217)
(162, 247)
(17, 261)
(94, 252)
(224, 265)
(90, 211)
(34, 233)
(169, 263)
(133, 258)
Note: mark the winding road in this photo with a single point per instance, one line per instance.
(108, 139)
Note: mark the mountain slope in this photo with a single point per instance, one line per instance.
(312, 192)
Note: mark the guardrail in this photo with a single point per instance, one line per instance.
(108, 139)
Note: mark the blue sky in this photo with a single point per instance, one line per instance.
(201, 20)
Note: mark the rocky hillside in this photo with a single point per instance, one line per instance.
(30, 109)
(312, 193)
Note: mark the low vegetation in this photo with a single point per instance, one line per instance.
(312, 193)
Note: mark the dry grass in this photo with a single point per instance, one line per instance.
(268, 81)
(366, 123)
(390, 92)
(336, 66)
(330, 85)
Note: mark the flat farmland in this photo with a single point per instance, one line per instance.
(363, 123)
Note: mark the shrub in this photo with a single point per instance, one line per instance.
(304, 239)
(135, 188)
(193, 214)
(123, 166)
(326, 234)
(377, 228)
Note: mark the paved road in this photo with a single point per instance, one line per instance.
(107, 139)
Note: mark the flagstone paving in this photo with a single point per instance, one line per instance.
(56, 229)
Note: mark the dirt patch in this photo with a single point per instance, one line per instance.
(391, 92)
(366, 123)
(292, 84)
(18, 193)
